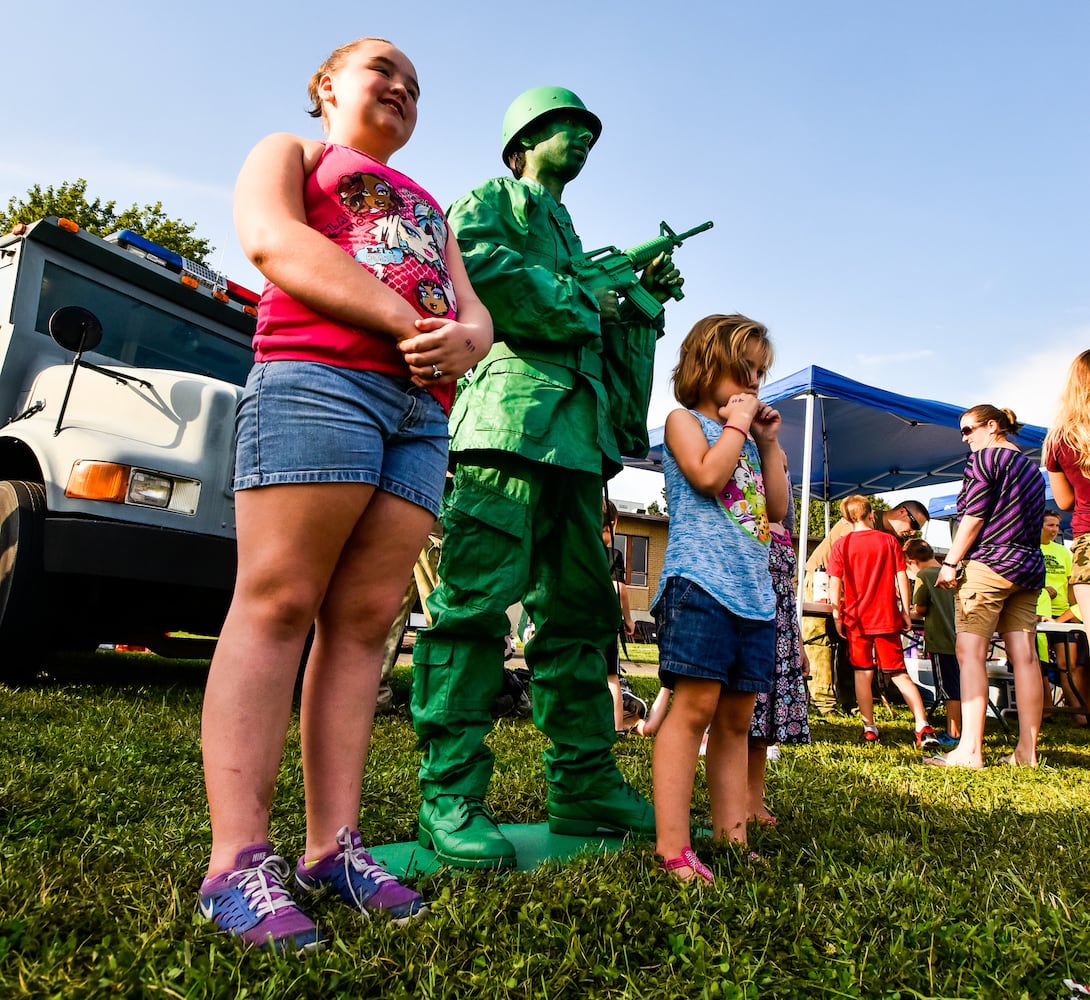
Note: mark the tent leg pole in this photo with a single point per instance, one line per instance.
(804, 511)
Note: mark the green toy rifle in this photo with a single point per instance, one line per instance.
(620, 269)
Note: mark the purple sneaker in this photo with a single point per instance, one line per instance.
(251, 903)
(352, 875)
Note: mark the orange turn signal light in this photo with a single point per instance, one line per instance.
(91, 480)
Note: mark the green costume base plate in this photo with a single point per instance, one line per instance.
(534, 844)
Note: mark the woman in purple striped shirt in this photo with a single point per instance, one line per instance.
(1000, 510)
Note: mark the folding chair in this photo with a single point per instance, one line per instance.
(646, 632)
(1058, 634)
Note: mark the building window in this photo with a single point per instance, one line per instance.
(634, 549)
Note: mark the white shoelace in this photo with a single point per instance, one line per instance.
(263, 885)
(357, 859)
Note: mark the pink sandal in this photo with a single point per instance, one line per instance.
(688, 859)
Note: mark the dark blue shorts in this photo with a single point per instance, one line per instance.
(700, 638)
(949, 670)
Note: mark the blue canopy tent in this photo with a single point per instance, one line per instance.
(843, 437)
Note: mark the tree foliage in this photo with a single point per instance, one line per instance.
(654, 507)
(69, 200)
(816, 521)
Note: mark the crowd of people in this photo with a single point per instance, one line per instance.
(376, 305)
(992, 584)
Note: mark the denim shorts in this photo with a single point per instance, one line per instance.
(306, 422)
(700, 638)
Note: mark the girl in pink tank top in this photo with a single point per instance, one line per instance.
(366, 322)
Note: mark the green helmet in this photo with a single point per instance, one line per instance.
(537, 103)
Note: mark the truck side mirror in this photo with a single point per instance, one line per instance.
(78, 329)
(75, 329)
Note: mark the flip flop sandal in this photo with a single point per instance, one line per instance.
(688, 859)
(938, 760)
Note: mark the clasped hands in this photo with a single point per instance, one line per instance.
(744, 410)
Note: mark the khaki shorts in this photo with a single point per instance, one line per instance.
(986, 602)
(1080, 559)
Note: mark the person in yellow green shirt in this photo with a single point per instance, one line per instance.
(1054, 604)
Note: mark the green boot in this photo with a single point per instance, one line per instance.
(463, 833)
(619, 810)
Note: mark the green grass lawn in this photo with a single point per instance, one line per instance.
(638, 652)
(883, 878)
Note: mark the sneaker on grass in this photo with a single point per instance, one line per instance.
(351, 874)
(251, 903)
(927, 738)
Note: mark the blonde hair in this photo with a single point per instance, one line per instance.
(855, 508)
(713, 348)
(1005, 420)
(333, 62)
(1072, 424)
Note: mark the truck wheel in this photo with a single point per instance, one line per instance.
(22, 578)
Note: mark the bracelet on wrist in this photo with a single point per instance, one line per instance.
(952, 565)
(735, 427)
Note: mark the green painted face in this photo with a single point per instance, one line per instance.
(557, 151)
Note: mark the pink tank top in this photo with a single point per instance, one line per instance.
(394, 228)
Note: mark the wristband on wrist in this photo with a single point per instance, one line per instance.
(735, 427)
(953, 565)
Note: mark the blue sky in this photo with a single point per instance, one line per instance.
(899, 190)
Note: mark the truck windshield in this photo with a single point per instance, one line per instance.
(141, 335)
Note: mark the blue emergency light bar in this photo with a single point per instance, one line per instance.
(141, 245)
(149, 250)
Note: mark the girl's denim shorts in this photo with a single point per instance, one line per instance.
(306, 422)
(700, 638)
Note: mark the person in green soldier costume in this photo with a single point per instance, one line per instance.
(544, 420)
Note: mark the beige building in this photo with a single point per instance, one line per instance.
(641, 539)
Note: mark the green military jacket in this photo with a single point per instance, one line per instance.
(543, 390)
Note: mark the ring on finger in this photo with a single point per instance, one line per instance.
(435, 372)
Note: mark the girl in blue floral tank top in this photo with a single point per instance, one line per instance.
(715, 607)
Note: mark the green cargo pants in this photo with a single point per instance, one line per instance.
(518, 530)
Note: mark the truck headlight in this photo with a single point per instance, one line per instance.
(116, 483)
(149, 488)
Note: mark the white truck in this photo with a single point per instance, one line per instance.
(121, 365)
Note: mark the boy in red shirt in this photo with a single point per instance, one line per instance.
(867, 575)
